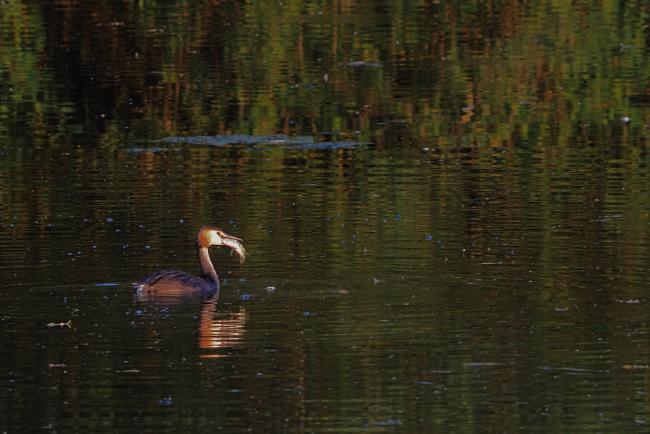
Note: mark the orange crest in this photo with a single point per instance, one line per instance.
(203, 239)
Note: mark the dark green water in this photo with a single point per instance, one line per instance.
(454, 237)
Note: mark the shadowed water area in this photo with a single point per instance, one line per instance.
(444, 205)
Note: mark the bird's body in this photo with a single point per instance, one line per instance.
(173, 280)
(179, 283)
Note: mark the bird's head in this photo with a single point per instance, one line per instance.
(213, 236)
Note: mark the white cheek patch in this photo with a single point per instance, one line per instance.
(214, 238)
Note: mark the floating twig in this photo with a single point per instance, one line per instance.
(636, 366)
(631, 301)
(59, 324)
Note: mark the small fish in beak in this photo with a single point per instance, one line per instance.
(235, 244)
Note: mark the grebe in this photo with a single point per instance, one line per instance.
(173, 282)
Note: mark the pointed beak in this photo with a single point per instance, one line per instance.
(236, 245)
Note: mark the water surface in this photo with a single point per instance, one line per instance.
(445, 207)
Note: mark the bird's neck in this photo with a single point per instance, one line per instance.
(207, 269)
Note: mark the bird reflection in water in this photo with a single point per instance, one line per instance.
(219, 332)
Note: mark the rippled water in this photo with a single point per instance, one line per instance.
(445, 209)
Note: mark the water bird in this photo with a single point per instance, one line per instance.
(178, 283)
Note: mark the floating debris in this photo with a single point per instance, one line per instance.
(270, 289)
(573, 370)
(326, 146)
(377, 281)
(107, 284)
(364, 64)
(56, 365)
(154, 150)
(623, 47)
(297, 142)
(388, 422)
(634, 367)
(128, 371)
(59, 324)
(631, 301)
(166, 401)
(246, 297)
(397, 121)
(239, 139)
